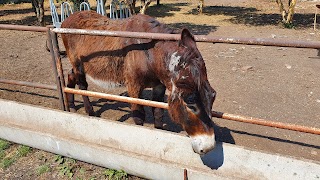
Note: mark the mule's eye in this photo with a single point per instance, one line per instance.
(190, 99)
(193, 107)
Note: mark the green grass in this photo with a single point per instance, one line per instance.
(2, 154)
(4, 144)
(43, 169)
(23, 150)
(6, 162)
(115, 174)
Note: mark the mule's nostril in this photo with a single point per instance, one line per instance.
(201, 151)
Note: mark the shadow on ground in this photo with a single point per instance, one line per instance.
(164, 10)
(253, 17)
(194, 28)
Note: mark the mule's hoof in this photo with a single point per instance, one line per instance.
(138, 121)
(92, 113)
(138, 117)
(158, 125)
(73, 110)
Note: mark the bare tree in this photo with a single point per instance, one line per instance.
(287, 15)
(200, 6)
(39, 10)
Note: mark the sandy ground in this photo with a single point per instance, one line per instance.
(273, 83)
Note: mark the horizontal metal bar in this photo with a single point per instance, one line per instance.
(117, 98)
(263, 122)
(23, 28)
(161, 36)
(226, 116)
(198, 38)
(29, 84)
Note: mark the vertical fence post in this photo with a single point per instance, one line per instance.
(56, 51)
(55, 71)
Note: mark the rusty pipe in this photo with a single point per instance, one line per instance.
(117, 98)
(263, 122)
(23, 28)
(28, 84)
(198, 38)
(161, 36)
(226, 116)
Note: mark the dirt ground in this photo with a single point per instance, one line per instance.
(273, 83)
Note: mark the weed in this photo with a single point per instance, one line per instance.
(4, 144)
(66, 170)
(6, 162)
(288, 25)
(59, 159)
(43, 169)
(115, 174)
(2, 154)
(23, 150)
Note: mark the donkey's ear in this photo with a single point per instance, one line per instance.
(187, 39)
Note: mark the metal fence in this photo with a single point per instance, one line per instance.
(62, 89)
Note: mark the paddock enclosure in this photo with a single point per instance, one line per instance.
(223, 158)
(275, 85)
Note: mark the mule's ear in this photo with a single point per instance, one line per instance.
(187, 39)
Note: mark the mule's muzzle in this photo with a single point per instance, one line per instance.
(202, 144)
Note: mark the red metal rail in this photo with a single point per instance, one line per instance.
(29, 84)
(198, 38)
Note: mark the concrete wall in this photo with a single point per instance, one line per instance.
(141, 151)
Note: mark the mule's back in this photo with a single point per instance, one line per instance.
(103, 56)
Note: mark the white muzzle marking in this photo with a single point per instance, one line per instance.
(202, 144)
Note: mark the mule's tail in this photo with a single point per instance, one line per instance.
(61, 53)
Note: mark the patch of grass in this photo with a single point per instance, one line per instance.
(6, 162)
(43, 169)
(115, 174)
(67, 166)
(2, 154)
(23, 150)
(4, 144)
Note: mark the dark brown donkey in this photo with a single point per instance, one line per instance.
(142, 63)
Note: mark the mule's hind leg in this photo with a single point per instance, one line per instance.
(158, 95)
(71, 84)
(83, 85)
(137, 111)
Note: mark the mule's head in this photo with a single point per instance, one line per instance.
(191, 97)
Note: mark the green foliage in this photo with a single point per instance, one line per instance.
(59, 159)
(288, 25)
(43, 169)
(115, 174)
(23, 150)
(66, 165)
(2, 154)
(6, 162)
(4, 144)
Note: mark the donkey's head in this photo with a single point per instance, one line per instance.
(191, 97)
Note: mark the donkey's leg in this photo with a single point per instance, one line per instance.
(83, 85)
(71, 84)
(158, 95)
(137, 111)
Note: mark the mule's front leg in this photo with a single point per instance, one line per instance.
(137, 111)
(158, 95)
(70, 96)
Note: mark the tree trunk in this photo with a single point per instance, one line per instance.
(201, 5)
(292, 4)
(158, 2)
(145, 6)
(39, 11)
(287, 16)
